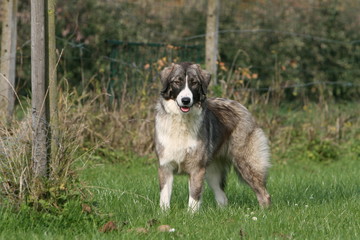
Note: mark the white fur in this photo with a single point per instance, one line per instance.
(171, 107)
(186, 92)
(165, 194)
(194, 205)
(177, 134)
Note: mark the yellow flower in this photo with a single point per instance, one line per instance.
(62, 187)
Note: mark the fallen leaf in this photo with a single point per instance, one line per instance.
(152, 222)
(230, 220)
(86, 208)
(164, 228)
(141, 230)
(108, 227)
(283, 236)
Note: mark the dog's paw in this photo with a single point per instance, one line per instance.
(164, 207)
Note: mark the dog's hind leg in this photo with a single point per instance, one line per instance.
(251, 162)
(166, 178)
(256, 181)
(216, 178)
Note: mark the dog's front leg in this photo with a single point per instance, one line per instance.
(196, 182)
(166, 178)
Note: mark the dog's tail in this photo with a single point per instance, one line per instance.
(251, 163)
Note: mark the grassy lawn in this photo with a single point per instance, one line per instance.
(314, 184)
(310, 201)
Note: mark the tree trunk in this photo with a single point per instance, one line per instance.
(8, 58)
(38, 88)
(212, 27)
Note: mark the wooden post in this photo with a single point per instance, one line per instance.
(212, 27)
(39, 104)
(8, 58)
(53, 87)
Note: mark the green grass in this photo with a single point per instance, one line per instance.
(310, 201)
(314, 183)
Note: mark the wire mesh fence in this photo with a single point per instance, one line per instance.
(263, 45)
(133, 60)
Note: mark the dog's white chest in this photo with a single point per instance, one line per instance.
(178, 138)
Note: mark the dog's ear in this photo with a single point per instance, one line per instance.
(165, 80)
(205, 78)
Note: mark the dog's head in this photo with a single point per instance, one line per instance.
(186, 84)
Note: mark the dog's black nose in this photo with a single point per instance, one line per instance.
(185, 100)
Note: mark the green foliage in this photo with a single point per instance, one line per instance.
(312, 134)
(322, 151)
(355, 148)
(51, 197)
(217, 91)
(277, 49)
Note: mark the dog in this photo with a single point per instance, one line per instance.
(203, 137)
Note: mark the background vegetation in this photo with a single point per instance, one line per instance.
(294, 65)
(282, 42)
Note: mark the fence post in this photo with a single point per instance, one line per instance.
(212, 27)
(51, 74)
(114, 68)
(8, 58)
(38, 88)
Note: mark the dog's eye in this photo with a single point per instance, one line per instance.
(193, 83)
(177, 82)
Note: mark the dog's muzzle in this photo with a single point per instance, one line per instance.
(185, 104)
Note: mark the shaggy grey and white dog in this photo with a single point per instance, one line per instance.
(203, 137)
